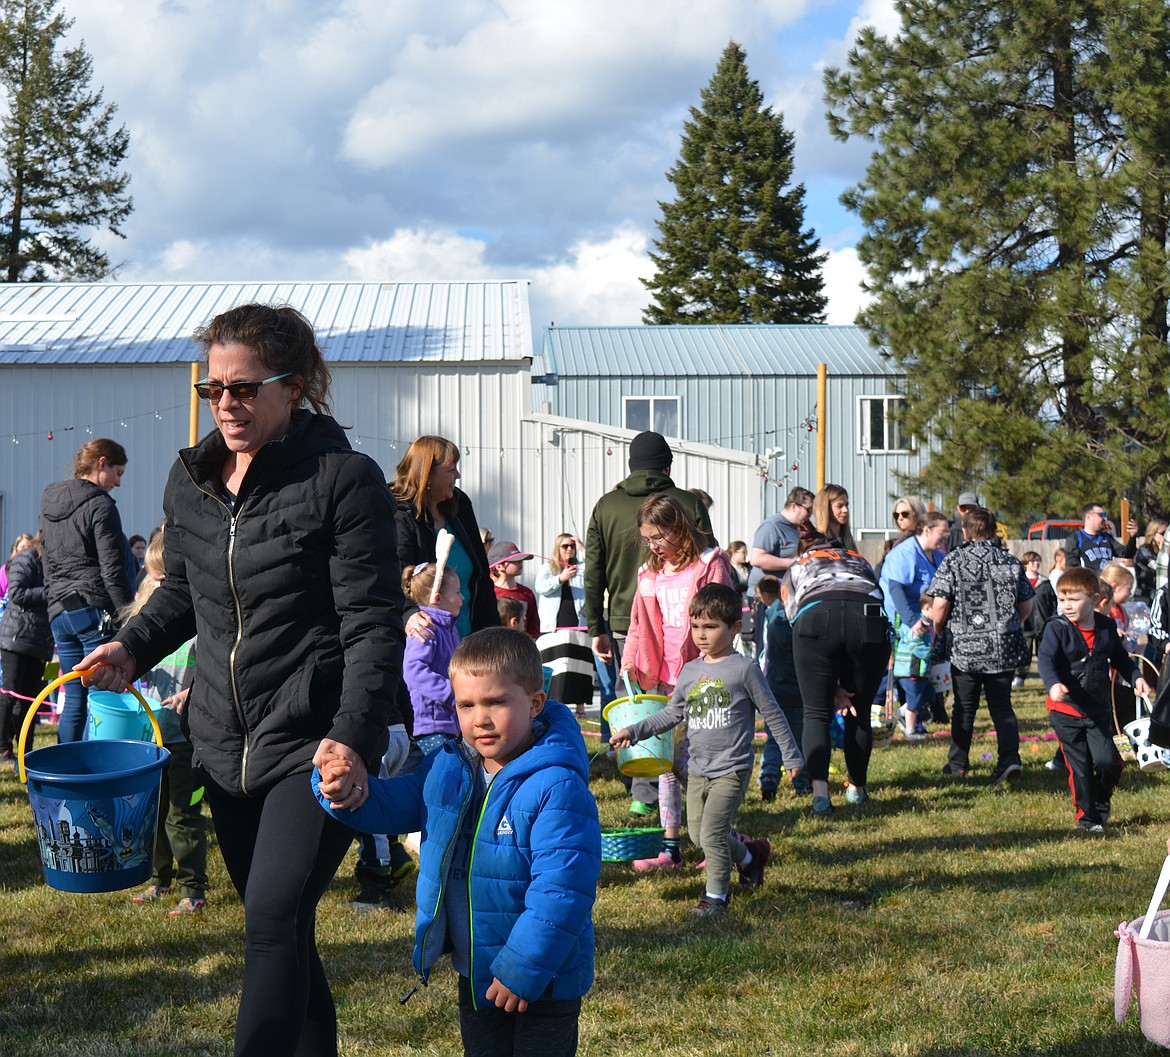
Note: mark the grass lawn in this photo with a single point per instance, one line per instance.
(940, 918)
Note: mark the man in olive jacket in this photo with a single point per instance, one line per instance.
(614, 553)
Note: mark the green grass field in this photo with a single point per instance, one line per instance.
(940, 918)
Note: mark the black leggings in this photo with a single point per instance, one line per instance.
(281, 851)
(23, 675)
(839, 642)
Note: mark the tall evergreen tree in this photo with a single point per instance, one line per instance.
(60, 152)
(1015, 240)
(731, 248)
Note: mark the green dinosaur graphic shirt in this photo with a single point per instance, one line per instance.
(719, 701)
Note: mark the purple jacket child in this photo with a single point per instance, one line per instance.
(424, 670)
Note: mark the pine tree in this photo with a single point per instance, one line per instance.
(1015, 240)
(731, 247)
(59, 151)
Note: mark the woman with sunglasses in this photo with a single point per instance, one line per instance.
(565, 647)
(280, 553)
(908, 513)
(905, 575)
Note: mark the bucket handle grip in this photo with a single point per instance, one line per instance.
(1156, 901)
(31, 712)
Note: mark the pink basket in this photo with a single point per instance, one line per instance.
(1143, 964)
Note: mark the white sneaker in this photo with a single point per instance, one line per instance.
(1017, 682)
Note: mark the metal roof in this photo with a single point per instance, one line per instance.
(701, 350)
(71, 323)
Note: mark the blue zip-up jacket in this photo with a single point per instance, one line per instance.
(534, 865)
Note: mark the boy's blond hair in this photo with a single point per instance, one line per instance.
(499, 651)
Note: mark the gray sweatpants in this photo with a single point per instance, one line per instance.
(711, 807)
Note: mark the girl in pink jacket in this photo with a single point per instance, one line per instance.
(659, 641)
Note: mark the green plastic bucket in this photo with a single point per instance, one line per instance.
(652, 756)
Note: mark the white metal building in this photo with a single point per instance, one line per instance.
(79, 360)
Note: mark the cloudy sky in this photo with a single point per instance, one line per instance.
(409, 140)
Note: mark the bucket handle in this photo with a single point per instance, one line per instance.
(31, 714)
(1156, 901)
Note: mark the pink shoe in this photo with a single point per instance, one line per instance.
(662, 861)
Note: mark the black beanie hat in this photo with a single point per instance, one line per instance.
(649, 451)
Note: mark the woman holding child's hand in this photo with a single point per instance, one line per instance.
(280, 546)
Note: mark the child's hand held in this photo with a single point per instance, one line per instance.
(1058, 691)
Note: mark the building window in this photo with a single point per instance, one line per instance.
(659, 413)
(878, 427)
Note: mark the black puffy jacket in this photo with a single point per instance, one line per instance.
(83, 547)
(416, 544)
(24, 627)
(296, 598)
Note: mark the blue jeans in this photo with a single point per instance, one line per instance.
(919, 695)
(548, 1028)
(771, 759)
(76, 633)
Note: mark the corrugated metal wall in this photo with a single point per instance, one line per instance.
(570, 464)
(387, 406)
(755, 415)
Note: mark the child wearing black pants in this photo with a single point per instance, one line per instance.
(1076, 652)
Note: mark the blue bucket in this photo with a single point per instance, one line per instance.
(117, 717)
(95, 807)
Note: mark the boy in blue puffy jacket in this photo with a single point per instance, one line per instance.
(511, 850)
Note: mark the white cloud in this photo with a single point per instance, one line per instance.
(531, 68)
(335, 139)
(844, 274)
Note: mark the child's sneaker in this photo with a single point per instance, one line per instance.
(149, 895)
(855, 794)
(709, 908)
(662, 861)
(1008, 773)
(822, 806)
(1088, 826)
(767, 793)
(187, 906)
(752, 875)
(401, 865)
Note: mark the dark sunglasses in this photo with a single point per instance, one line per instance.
(901, 514)
(209, 390)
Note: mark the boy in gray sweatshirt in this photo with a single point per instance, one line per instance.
(718, 694)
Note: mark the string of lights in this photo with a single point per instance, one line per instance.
(89, 428)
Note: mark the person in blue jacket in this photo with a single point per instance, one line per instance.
(511, 851)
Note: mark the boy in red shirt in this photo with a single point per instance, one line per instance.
(506, 562)
(1076, 652)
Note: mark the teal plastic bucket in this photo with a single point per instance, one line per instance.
(117, 717)
(651, 756)
(95, 811)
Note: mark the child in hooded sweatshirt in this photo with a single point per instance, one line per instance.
(425, 662)
(511, 851)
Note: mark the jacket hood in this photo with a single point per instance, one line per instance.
(645, 482)
(62, 499)
(558, 744)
